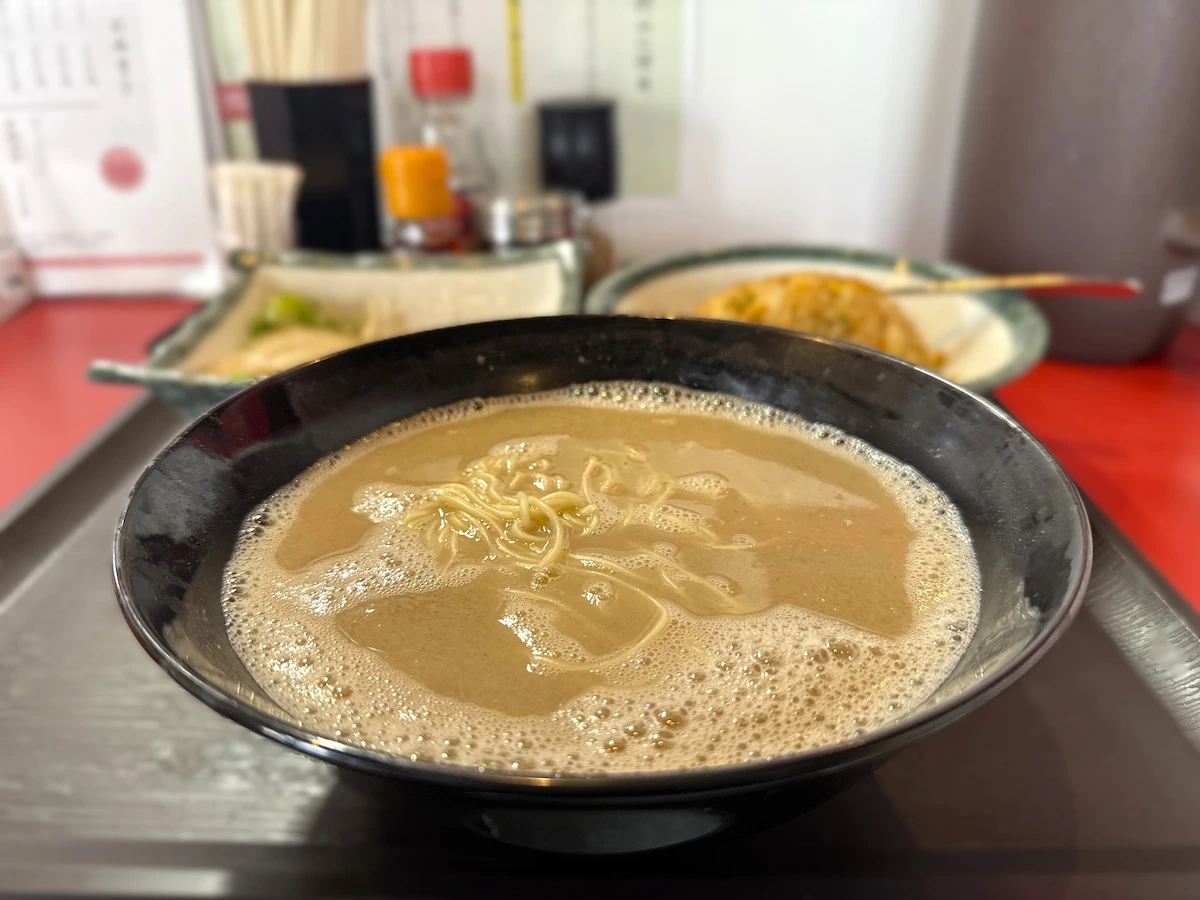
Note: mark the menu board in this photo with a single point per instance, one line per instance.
(101, 145)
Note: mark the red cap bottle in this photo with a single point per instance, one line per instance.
(440, 71)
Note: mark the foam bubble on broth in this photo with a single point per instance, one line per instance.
(724, 689)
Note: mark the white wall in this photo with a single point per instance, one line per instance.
(816, 121)
(822, 121)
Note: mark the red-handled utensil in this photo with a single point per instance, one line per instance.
(1043, 283)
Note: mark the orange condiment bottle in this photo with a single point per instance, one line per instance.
(416, 184)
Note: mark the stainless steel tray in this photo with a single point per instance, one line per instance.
(1081, 781)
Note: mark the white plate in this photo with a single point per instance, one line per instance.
(988, 338)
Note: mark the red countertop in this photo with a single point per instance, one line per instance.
(1129, 435)
(47, 405)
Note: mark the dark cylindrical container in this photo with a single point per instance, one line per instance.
(1081, 153)
(326, 129)
(577, 147)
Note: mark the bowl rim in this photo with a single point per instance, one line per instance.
(824, 759)
(1018, 312)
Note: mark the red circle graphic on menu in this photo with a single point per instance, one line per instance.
(122, 168)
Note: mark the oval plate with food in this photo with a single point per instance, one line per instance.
(980, 340)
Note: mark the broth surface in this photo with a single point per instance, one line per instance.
(605, 578)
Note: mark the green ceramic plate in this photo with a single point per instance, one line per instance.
(422, 293)
(989, 338)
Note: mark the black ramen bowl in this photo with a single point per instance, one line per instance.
(1025, 517)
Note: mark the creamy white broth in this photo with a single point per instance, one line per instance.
(709, 582)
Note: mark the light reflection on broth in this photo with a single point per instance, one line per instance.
(567, 571)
